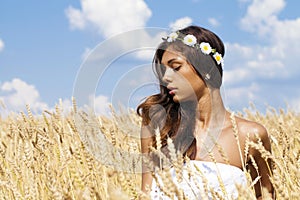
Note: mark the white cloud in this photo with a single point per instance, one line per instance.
(213, 22)
(100, 104)
(1, 45)
(278, 58)
(16, 94)
(261, 15)
(146, 54)
(110, 17)
(246, 63)
(76, 18)
(180, 23)
(236, 76)
(250, 93)
(239, 50)
(139, 43)
(150, 43)
(283, 35)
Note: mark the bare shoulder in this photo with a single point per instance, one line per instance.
(251, 128)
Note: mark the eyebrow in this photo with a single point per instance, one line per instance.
(170, 61)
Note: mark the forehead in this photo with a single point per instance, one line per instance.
(171, 55)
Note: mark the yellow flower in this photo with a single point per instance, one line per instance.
(218, 58)
(205, 48)
(190, 40)
(172, 37)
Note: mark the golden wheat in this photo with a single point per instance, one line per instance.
(48, 156)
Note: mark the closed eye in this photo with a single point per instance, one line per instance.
(177, 68)
(176, 65)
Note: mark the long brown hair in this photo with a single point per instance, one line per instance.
(177, 120)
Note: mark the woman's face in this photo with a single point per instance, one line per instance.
(181, 79)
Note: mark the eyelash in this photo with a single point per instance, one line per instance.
(177, 68)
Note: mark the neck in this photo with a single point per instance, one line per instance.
(210, 109)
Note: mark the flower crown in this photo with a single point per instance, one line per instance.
(191, 40)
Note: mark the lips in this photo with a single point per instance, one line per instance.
(171, 90)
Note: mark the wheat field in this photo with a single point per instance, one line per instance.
(56, 155)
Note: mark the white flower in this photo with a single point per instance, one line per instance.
(172, 37)
(190, 40)
(205, 48)
(218, 58)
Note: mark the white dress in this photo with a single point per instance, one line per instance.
(217, 176)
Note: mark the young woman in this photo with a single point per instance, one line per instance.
(189, 110)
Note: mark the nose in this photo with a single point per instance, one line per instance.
(168, 76)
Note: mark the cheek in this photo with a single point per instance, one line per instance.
(188, 91)
(191, 84)
(191, 75)
(197, 87)
(195, 81)
(198, 84)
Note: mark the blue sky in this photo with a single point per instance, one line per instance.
(46, 45)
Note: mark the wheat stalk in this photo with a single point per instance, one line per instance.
(30, 142)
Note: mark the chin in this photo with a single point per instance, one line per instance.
(178, 99)
(175, 100)
(183, 100)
